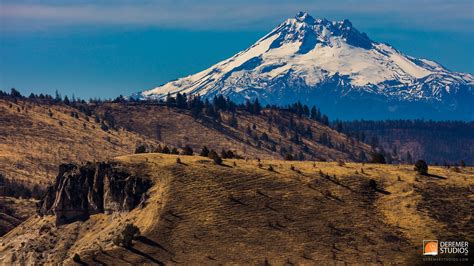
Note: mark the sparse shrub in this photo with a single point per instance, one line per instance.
(421, 167)
(140, 149)
(270, 168)
(217, 160)
(289, 157)
(224, 154)
(187, 150)
(125, 238)
(174, 151)
(292, 168)
(204, 152)
(260, 165)
(341, 163)
(463, 164)
(234, 163)
(76, 258)
(377, 158)
(158, 149)
(165, 150)
(215, 157)
(230, 154)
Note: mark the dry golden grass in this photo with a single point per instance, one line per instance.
(242, 213)
(176, 127)
(33, 143)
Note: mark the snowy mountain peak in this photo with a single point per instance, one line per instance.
(309, 59)
(305, 17)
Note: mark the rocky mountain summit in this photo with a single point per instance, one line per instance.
(333, 65)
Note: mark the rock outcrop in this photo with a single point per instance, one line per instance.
(83, 190)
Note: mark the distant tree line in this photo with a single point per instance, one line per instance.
(444, 142)
(358, 131)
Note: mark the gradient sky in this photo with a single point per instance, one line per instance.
(105, 48)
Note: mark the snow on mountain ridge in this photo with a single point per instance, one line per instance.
(304, 53)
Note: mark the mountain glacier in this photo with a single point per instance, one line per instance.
(332, 65)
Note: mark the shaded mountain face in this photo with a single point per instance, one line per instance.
(334, 66)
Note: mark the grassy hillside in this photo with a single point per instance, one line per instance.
(14, 211)
(36, 137)
(241, 212)
(271, 135)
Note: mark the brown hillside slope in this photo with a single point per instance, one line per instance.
(14, 211)
(201, 213)
(33, 143)
(177, 127)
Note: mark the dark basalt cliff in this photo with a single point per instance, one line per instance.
(83, 190)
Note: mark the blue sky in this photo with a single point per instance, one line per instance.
(105, 48)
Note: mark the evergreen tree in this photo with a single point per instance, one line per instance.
(170, 101)
(409, 158)
(377, 158)
(187, 150)
(15, 94)
(166, 150)
(256, 107)
(204, 152)
(421, 167)
(233, 121)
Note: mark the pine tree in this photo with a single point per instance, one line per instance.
(204, 152)
(377, 157)
(421, 167)
(409, 158)
(256, 107)
(187, 150)
(166, 150)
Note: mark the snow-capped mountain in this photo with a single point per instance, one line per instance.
(334, 66)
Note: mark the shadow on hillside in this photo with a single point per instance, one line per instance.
(385, 192)
(97, 261)
(436, 176)
(138, 252)
(149, 242)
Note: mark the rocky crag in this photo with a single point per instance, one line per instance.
(83, 190)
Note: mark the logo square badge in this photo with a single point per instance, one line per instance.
(430, 247)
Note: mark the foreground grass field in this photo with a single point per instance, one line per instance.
(244, 212)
